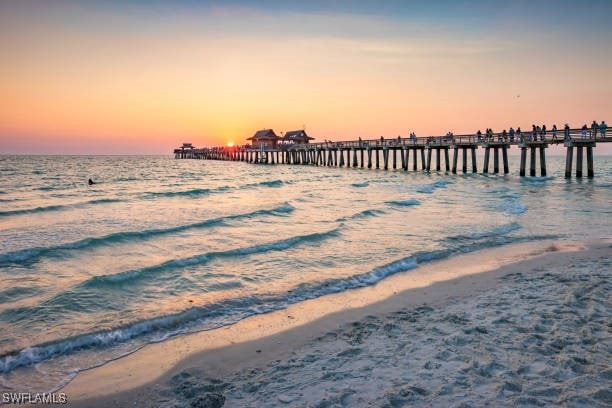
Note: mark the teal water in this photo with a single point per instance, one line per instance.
(160, 247)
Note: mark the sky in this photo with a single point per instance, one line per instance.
(142, 77)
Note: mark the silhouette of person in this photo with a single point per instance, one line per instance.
(602, 128)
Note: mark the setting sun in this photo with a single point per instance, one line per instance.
(230, 144)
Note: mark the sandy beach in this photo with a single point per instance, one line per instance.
(526, 325)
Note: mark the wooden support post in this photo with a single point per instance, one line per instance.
(496, 160)
(386, 157)
(354, 157)
(394, 158)
(569, 155)
(590, 170)
(532, 166)
(465, 159)
(543, 160)
(523, 161)
(446, 160)
(579, 161)
(505, 159)
(407, 158)
(403, 156)
(422, 158)
(428, 159)
(377, 159)
(485, 168)
(455, 154)
(438, 159)
(341, 159)
(361, 154)
(369, 158)
(474, 165)
(415, 159)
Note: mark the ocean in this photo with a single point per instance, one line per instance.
(160, 247)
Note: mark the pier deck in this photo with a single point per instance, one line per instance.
(360, 153)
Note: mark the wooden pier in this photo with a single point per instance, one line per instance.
(416, 153)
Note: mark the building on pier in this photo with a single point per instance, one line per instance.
(266, 138)
(186, 151)
(296, 137)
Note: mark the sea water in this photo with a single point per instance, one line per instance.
(159, 247)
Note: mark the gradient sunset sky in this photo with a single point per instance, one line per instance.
(118, 77)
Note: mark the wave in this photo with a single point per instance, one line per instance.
(57, 207)
(16, 293)
(267, 183)
(479, 235)
(34, 254)
(199, 192)
(403, 203)
(430, 188)
(359, 185)
(536, 179)
(233, 310)
(196, 192)
(136, 274)
(513, 207)
(361, 214)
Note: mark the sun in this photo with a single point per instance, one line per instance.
(230, 144)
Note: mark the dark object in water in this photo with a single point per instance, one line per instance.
(90, 182)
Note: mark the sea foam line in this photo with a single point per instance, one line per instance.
(34, 254)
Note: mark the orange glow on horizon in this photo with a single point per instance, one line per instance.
(206, 75)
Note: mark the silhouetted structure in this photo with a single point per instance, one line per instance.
(297, 137)
(266, 138)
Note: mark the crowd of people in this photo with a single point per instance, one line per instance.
(537, 133)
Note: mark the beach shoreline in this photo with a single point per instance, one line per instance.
(146, 377)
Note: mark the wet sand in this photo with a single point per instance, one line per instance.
(526, 324)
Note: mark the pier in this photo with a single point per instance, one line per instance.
(417, 153)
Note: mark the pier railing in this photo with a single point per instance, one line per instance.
(332, 153)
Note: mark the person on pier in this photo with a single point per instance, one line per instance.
(554, 132)
(584, 131)
(594, 128)
(603, 128)
(566, 132)
(511, 133)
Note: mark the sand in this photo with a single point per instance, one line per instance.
(527, 325)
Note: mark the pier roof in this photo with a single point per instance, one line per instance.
(264, 134)
(297, 136)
